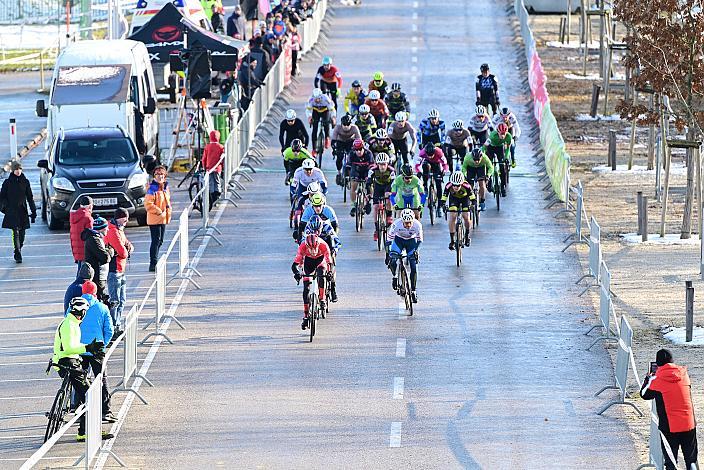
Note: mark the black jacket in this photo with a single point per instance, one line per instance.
(15, 195)
(96, 253)
(288, 133)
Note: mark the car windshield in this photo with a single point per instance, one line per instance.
(91, 84)
(96, 151)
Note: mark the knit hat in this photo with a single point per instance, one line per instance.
(663, 357)
(121, 212)
(86, 272)
(15, 165)
(89, 287)
(85, 201)
(99, 223)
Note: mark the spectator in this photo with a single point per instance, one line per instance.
(15, 195)
(279, 27)
(236, 24)
(216, 18)
(117, 284)
(271, 46)
(248, 82)
(211, 159)
(79, 220)
(75, 289)
(670, 387)
(158, 205)
(256, 50)
(96, 327)
(98, 255)
(295, 39)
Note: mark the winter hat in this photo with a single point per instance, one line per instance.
(663, 357)
(121, 212)
(99, 223)
(15, 165)
(215, 135)
(86, 272)
(85, 201)
(89, 287)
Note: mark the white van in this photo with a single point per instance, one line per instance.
(104, 84)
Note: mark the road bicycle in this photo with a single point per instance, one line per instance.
(460, 230)
(319, 141)
(360, 201)
(315, 309)
(380, 227)
(404, 284)
(433, 197)
(62, 403)
(474, 182)
(496, 183)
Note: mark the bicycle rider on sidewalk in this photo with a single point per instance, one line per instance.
(405, 234)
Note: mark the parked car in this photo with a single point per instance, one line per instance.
(100, 162)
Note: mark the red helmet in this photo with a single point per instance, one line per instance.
(358, 144)
(312, 240)
(502, 129)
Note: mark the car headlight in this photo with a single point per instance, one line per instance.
(62, 183)
(137, 180)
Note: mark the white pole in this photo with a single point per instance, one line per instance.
(13, 138)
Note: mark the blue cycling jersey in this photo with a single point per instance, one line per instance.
(328, 214)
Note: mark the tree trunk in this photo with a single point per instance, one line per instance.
(689, 195)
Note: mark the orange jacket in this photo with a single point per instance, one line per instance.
(158, 204)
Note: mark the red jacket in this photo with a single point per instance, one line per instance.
(79, 220)
(378, 109)
(671, 389)
(116, 238)
(213, 151)
(305, 252)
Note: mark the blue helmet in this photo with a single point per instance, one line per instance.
(315, 224)
(327, 60)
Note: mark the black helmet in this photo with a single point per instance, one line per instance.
(484, 67)
(396, 86)
(296, 145)
(429, 148)
(406, 170)
(346, 120)
(477, 153)
(78, 306)
(356, 83)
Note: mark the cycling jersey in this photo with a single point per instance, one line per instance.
(381, 88)
(67, 339)
(513, 128)
(320, 105)
(479, 123)
(377, 109)
(359, 164)
(437, 158)
(457, 137)
(469, 164)
(399, 132)
(328, 213)
(377, 145)
(495, 141)
(397, 103)
(323, 251)
(367, 126)
(346, 135)
(428, 132)
(303, 179)
(381, 178)
(290, 155)
(411, 193)
(487, 89)
(353, 101)
(464, 192)
(415, 232)
(332, 75)
(287, 133)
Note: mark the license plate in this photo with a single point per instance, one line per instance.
(105, 201)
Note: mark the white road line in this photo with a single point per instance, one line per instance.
(414, 15)
(401, 347)
(414, 59)
(414, 78)
(402, 315)
(29, 398)
(31, 380)
(414, 69)
(413, 39)
(414, 50)
(414, 27)
(398, 388)
(23, 363)
(415, 4)
(395, 436)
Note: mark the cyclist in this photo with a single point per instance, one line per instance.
(487, 87)
(354, 98)
(458, 196)
(396, 101)
(410, 189)
(303, 202)
(320, 108)
(378, 108)
(365, 122)
(405, 234)
(497, 147)
(480, 125)
(294, 157)
(328, 79)
(379, 84)
(67, 350)
(320, 208)
(381, 143)
(313, 256)
(477, 166)
(432, 160)
(290, 129)
(324, 230)
(398, 131)
(305, 175)
(342, 137)
(458, 140)
(379, 180)
(431, 129)
(358, 162)
(508, 118)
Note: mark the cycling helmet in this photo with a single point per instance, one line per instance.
(296, 145)
(317, 199)
(457, 178)
(346, 120)
(364, 109)
(327, 60)
(502, 129)
(374, 95)
(407, 215)
(396, 86)
(406, 171)
(381, 133)
(315, 224)
(484, 67)
(505, 111)
(382, 158)
(378, 76)
(312, 240)
(477, 153)
(290, 114)
(357, 144)
(400, 116)
(481, 110)
(429, 148)
(78, 306)
(458, 124)
(434, 114)
(313, 187)
(308, 164)
(356, 84)
(317, 92)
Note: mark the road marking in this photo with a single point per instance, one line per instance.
(31, 380)
(395, 437)
(414, 59)
(414, 69)
(413, 39)
(414, 78)
(414, 50)
(28, 398)
(398, 388)
(401, 347)
(415, 4)
(414, 16)
(25, 333)
(414, 27)
(23, 363)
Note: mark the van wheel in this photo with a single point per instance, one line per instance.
(53, 222)
(142, 220)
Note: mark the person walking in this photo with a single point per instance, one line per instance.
(79, 220)
(671, 389)
(158, 205)
(211, 161)
(75, 289)
(117, 283)
(15, 196)
(98, 255)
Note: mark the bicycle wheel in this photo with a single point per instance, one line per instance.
(312, 312)
(475, 211)
(359, 213)
(497, 191)
(193, 189)
(344, 190)
(431, 203)
(407, 297)
(320, 147)
(459, 238)
(58, 410)
(380, 223)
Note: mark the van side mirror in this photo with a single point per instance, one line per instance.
(43, 163)
(41, 109)
(150, 107)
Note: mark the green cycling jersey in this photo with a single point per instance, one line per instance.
(406, 190)
(290, 155)
(496, 141)
(483, 162)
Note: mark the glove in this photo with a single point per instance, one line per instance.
(294, 268)
(387, 259)
(95, 347)
(417, 256)
(513, 165)
(33, 217)
(295, 235)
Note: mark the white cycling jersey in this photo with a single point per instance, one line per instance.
(398, 230)
(479, 123)
(514, 128)
(300, 177)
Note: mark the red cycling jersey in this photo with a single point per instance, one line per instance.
(321, 250)
(331, 75)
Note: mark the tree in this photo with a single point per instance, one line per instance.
(665, 41)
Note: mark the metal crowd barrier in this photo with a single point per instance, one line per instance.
(129, 363)
(605, 308)
(594, 256)
(655, 457)
(579, 213)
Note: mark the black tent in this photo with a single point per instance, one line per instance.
(164, 34)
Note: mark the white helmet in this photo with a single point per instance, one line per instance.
(290, 115)
(374, 95)
(381, 157)
(407, 215)
(381, 133)
(458, 124)
(308, 164)
(364, 109)
(457, 178)
(434, 114)
(400, 116)
(317, 92)
(313, 187)
(480, 110)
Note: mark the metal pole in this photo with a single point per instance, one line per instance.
(639, 203)
(689, 311)
(13, 138)
(644, 207)
(612, 149)
(596, 91)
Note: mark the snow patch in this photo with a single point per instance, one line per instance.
(675, 169)
(593, 76)
(678, 335)
(670, 239)
(571, 45)
(599, 117)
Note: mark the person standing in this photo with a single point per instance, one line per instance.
(117, 284)
(211, 161)
(15, 196)
(98, 255)
(158, 205)
(75, 289)
(79, 220)
(671, 389)
(236, 24)
(487, 88)
(295, 39)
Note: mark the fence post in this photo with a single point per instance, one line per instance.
(605, 307)
(644, 216)
(689, 311)
(594, 256)
(596, 91)
(612, 149)
(13, 138)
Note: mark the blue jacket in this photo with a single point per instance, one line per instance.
(97, 324)
(75, 289)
